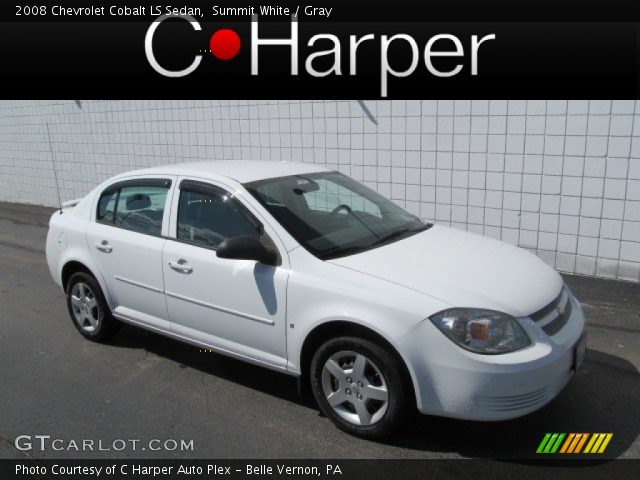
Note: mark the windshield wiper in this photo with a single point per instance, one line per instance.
(401, 233)
(337, 251)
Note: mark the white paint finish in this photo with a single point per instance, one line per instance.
(132, 270)
(457, 383)
(588, 152)
(263, 314)
(323, 291)
(239, 301)
(234, 305)
(463, 269)
(73, 225)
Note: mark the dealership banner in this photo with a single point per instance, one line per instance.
(338, 50)
(311, 469)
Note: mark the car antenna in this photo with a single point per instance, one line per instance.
(53, 162)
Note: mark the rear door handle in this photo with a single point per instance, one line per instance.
(181, 266)
(104, 246)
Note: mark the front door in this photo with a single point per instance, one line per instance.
(237, 306)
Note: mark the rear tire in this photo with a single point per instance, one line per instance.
(360, 386)
(88, 308)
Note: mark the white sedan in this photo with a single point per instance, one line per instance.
(304, 270)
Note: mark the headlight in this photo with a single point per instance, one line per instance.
(481, 331)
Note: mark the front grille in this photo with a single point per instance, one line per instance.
(555, 315)
(515, 402)
(544, 311)
(555, 325)
(523, 401)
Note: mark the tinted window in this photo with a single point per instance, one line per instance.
(141, 209)
(107, 206)
(206, 218)
(135, 205)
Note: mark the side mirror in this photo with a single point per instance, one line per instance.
(247, 248)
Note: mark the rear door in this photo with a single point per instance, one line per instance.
(126, 242)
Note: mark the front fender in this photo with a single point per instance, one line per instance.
(335, 295)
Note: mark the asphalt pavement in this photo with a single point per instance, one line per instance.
(142, 386)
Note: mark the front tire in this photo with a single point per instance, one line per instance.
(88, 308)
(360, 386)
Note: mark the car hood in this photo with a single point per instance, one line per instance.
(462, 269)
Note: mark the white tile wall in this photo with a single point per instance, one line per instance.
(561, 178)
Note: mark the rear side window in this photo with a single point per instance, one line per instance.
(136, 205)
(207, 216)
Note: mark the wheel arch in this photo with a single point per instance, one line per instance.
(71, 267)
(74, 265)
(338, 328)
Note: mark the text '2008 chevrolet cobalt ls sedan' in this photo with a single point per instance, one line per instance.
(303, 270)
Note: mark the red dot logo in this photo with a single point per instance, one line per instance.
(224, 44)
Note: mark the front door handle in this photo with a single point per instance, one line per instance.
(104, 246)
(181, 266)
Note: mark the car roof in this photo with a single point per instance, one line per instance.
(239, 170)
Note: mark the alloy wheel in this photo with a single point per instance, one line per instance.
(84, 304)
(355, 388)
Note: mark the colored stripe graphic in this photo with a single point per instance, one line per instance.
(605, 443)
(598, 442)
(543, 443)
(591, 442)
(576, 439)
(574, 443)
(555, 447)
(581, 442)
(567, 442)
(550, 443)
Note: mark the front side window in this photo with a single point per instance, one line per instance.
(135, 205)
(207, 215)
(332, 215)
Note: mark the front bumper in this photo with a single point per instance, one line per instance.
(452, 382)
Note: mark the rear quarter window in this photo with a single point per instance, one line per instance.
(107, 207)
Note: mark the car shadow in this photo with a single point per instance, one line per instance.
(187, 356)
(602, 398)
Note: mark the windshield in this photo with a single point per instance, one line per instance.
(332, 215)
